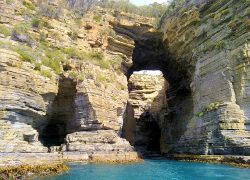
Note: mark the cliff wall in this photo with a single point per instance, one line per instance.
(210, 40)
(59, 88)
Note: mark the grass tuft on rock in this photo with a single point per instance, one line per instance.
(29, 5)
(21, 28)
(46, 73)
(97, 18)
(36, 23)
(74, 53)
(4, 30)
(26, 54)
(53, 60)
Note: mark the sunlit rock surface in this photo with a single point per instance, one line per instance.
(39, 113)
(145, 109)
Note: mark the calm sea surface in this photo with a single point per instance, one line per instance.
(153, 169)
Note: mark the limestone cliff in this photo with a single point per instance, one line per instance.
(210, 41)
(26, 97)
(59, 88)
(203, 52)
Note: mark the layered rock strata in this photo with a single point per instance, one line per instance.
(45, 111)
(33, 106)
(206, 61)
(145, 109)
(210, 40)
(25, 98)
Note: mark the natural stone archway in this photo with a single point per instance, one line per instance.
(149, 53)
(207, 67)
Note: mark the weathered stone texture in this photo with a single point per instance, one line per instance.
(31, 102)
(97, 141)
(207, 40)
(128, 30)
(99, 102)
(212, 37)
(146, 104)
(24, 104)
(8, 12)
(14, 159)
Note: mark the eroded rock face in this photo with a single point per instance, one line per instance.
(37, 113)
(206, 61)
(33, 102)
(26, 97)
(135, 40)
(99, 141)
(207, 40)
(145, 109)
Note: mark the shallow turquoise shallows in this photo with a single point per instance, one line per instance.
(153, 169)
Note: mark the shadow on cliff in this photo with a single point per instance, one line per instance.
(157, 130)
(62, 112)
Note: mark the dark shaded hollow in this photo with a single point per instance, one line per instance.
(152, 131)
(148, 54)
(62, 112)
(155, 136)
(53, 135)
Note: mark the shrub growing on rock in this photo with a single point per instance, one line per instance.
(21, 28)
(96, 55)
(97, 18)
(74, 53)
(53, 60)
(81, 6)
(20, 33)
(46, 73)
(36, 23)
(4, 30)
(29, 5)
(26, 54)
(73, 35)
(49, 11)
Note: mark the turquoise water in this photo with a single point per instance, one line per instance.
(154, 170)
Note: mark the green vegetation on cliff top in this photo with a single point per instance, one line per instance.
(39, 51)
(34, 45)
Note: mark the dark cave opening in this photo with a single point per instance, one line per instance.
(53, 135)
(155, 136)
(151, 133)
(62, 112)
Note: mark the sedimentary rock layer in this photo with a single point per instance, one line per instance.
(210, 40)
(44, 111)
(145, 109)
